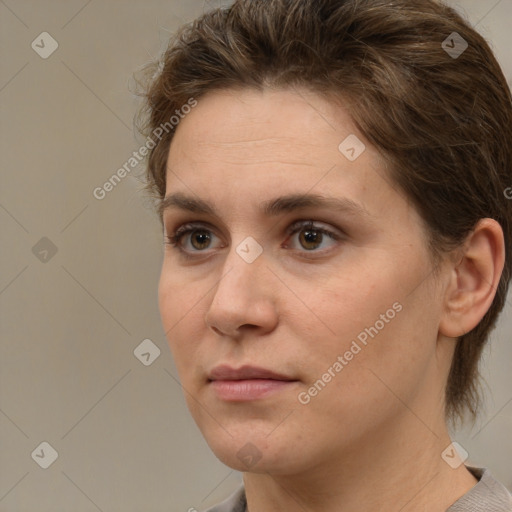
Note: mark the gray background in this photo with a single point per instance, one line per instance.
(70, 323)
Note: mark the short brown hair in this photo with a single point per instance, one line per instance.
(443, 121)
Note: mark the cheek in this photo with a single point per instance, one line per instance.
(395, 359)
(181, 317)
(371, 385)
(370, 315)
(351, 302)
(178, 295)
(167, 301)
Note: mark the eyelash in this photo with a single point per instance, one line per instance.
(174, 239)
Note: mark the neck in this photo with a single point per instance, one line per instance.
(385, 471)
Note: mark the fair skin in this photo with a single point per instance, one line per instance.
(372, 438)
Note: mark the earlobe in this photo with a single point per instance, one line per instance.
(474, 279)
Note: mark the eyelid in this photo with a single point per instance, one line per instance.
(312, 224)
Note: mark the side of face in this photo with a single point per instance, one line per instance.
(359, 312)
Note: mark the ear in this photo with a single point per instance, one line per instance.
(474, 279)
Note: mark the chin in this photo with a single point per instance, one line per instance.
(253, 451)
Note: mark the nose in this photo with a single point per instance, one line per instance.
(244, 298)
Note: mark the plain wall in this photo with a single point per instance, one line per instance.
(70, 321)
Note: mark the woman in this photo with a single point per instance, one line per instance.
(332, 178)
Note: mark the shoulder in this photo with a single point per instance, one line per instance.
(235, 503)
(488, 495)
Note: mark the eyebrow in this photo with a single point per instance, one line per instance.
(270, 208)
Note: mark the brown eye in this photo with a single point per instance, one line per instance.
(191, 238)
(310, 238)
(193, 241)
(201, 237)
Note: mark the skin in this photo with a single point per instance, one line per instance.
(379, 423)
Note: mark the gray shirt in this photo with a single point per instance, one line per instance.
(488, 495)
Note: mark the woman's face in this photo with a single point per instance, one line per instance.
(349, 316)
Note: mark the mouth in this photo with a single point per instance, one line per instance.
(247, 383)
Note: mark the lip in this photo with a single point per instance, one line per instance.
(247, 382)
(225, 372)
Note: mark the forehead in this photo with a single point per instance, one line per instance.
(282, 123)
(241, 147)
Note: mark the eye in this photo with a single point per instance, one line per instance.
(311, 236)
(199, 237)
